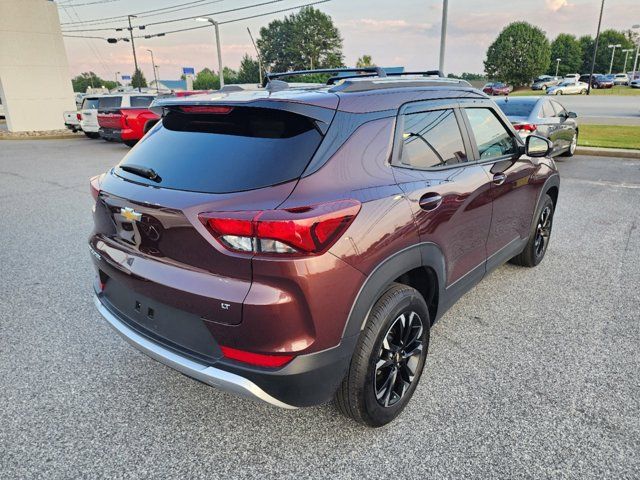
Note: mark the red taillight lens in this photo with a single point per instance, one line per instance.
(94, 186)
(528, 127)
(257, 359)
(295, 231)
(206, 109)
(79, 116)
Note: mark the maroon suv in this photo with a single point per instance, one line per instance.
(296, 243)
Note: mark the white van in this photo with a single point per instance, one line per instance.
(92, 103)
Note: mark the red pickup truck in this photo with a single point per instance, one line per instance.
(126, 125)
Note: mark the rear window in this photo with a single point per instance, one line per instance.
(89, 103)
(110, 102)
(515, 108)
(243, 149)
(140, 101)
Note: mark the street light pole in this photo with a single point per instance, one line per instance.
(557, 65)
(217, 31)
(613, 52)
(117, 73)
(626, 57)
(133, 46)
(155, 76)
(443, 35)
(595, 50)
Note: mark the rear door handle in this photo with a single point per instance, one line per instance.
(499, 178)
(430, 201)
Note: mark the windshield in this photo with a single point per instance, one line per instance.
(89, 103)
(227, 150)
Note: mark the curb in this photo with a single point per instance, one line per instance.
(50, 137)
(608, 152)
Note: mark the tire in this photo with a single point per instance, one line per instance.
(558, 92)
(572, 147)
(362, 395)
(92, 134)
(130, 143)
(583, 91)
(534, 252)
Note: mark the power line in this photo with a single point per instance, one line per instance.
(162, 22)
(67, 4)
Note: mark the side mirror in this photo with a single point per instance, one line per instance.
(572, 115)
(536, 146)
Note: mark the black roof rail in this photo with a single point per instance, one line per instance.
(425, 73)
(369, 71)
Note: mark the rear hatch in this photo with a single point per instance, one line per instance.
(111, 119)
(148, 237)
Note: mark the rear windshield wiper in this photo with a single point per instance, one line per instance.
(145, 172)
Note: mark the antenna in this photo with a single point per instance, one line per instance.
(260, 66)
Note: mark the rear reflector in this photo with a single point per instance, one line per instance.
(528, 127)
(257, 359)
(309, 230)
(206, 109)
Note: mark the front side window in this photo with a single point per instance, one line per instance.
(547, 110)
(492, 138)
(431, 139)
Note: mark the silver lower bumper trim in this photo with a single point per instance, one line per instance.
(215, 377)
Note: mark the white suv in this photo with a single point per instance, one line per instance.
(92, 103)
(621, 79)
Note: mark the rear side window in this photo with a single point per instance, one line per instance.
(90, 103)
(431, 139)
(140, 101)
(110, 102)
(237, 149)
(492, 138)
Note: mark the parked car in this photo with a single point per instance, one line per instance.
(79, 97)
(545, 117)
(72, 120)
(545, 81)
(635, 83)
(597, 81)
(572, 77)
(91, 104)
(298, 249)
(568, 88)
(621, 79)
(498, 88)
(126, 125)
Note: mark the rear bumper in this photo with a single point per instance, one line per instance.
(207, 374)
(307, 380)
(111, 134)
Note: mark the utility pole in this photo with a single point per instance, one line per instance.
(443, 35)
(155, 76)
(117, 73)
(557, 65)
(595, 50)
(613, 52)
(259, 57)
(635, 60)
(133, 46)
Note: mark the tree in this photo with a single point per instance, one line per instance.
(206, 80)
(603, 56)
(138, 80)
(304, 40)
(249, 71)
(230, 75)
(365, 61)
(520, 53)
(586, 47)
(568, 49)
(468, 76)
(87, 80)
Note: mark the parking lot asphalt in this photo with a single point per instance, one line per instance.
(532, 374)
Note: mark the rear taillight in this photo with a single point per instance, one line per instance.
(257, 359)
(94, 186)
(307, 230)
(79, 116)
(527, 127)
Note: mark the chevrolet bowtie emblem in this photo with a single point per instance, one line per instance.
(130, 214)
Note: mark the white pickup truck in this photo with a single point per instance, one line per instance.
(72, 120)
(92, 103)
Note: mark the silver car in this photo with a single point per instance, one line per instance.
(568, 87)
(545, 117)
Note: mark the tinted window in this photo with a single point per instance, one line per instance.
(89, 103)
(492, 138)
(110, 102)
(244, 149)
(431, 139)
(140, 101)
(517, 108)
(547, 110)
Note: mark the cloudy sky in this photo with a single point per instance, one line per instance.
(400, 32)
